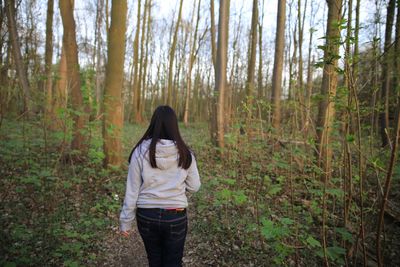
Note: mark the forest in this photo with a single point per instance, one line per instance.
(290, 106)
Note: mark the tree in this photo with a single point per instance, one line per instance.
(145, 84)
(80, 115)
(220, 72)
(278, 65)
(386, 69)
(113, 114)
(97, 53)
(192, 58)
(326, 110)
(395, 143)
(212, 33)
(49, 57)
(172, 55)
(260, 54)
(252, 58)
(16, 50)
(140, 87)
(136, 86)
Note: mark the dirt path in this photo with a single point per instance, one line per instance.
(121, 251)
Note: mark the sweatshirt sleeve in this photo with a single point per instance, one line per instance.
(193, 178)
(133, 183)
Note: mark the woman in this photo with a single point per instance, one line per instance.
(161, 170)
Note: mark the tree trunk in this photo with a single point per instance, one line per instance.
(220, 77)
(136, 86)
(61, 91)
(145, 80)
(252, 59)
(113, 115)
(80, 116)
(212, 32)
(309, 81)
(300, 81)
(16, 50)
(395, 144)
(97, 55)
(49, 58)
(278, 65)
(260, 55)
(192, 58)
(326, 111)
(172, 56)
(138, 111)
(386, 70)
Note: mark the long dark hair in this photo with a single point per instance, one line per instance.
(164, 125)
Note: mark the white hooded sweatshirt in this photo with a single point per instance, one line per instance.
(161, 187)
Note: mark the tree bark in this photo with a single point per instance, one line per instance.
(136, 86)
(49, 58)
(386, 70)
(172, 56)
(220, 78)
(260, 55)
(326, 110)
(395, 144)
(138, 111)
(80, 116)
(192, 59)
(113, 114)
(148, 40)
(252, 59)
(16, 51)
(212, 33)
(278, 65)
(97, 55)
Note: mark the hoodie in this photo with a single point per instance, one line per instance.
(161, 187)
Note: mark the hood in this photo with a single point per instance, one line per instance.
(166, 153)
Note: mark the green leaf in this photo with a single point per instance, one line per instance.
(314, 243)
(274, 190)
(344, 233)
(239, 197)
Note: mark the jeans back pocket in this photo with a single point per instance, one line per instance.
(178, 229)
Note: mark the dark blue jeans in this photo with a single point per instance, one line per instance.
(163, 233)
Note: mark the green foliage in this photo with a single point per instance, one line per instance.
(54, 212)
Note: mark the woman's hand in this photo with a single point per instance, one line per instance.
(125, 233)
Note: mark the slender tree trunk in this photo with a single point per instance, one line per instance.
(61, 89)
(16, 50)
(97, 55)
(260, 54)
(309, 85)
(192, 59)
(300, 81)
(220, 78)
(395, 143)
(252, 59)
(172, 56)
(278, 65)
(138, 111)
(386, 70)
(79, 139)
(49, 58)
(356, 38)
(148, 40)
(212, 32)
(136, 86)
(113, 114)
(326, 111)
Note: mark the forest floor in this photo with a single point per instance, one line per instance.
(256, 206)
